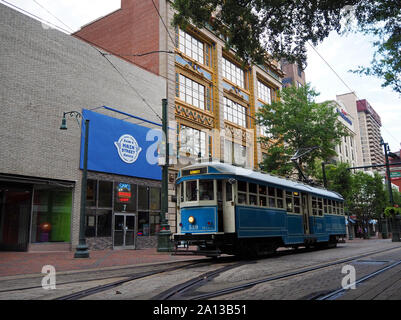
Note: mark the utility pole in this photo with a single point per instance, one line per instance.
(390, 191)
(388, 174)
(163, 240)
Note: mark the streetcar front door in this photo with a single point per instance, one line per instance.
(229, 205)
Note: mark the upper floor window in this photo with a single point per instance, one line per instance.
(192, 92)
(192, 141)
(264, 93)
(191, 47)
(235, 112)
(233, 73)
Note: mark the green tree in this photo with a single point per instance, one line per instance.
(382, 19)
(367, 199)
(295, 121)
(282, 28)
(339, 179)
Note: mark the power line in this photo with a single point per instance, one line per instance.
(93, 46)
(30, 14)
(40, 5)
(351, 90)
(165, 26)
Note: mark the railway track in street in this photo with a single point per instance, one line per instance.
(186, 291)
(339, 292)
(189, 289)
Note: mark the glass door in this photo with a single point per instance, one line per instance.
(130, 231)
(15, 211)
(124, 231)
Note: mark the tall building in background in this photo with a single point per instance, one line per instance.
(212, 96)
(347, 149)
(294, 75)
(367, 129)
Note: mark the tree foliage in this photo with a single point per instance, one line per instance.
(295, 121)
(367, 198)
(382, 19)
(282, 28)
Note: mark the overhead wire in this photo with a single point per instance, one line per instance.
(93, 45)
(351, 90)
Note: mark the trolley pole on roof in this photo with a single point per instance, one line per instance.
(163, 237)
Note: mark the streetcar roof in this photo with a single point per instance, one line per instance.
(248, 174)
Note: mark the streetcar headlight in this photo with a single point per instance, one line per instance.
(191, 220)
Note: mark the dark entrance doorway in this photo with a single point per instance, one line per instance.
(15, 212)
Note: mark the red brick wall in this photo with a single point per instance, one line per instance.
(133, 29)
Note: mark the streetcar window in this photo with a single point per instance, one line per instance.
(229, 192)
(272, 202)
(262, 196)
(262, 201)
(289, 201)
(253, 188)
(314, 206)
(241, 198)
(325, 205)
(242, 186)
(262, 190)
(242, 190)
(253, 199)
(280, 201)
(320, 206)
(297, 202)
(329, 206)
(253, 194)
(181, 191)
(191, 191)
(206, 190)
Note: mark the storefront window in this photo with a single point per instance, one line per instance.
(105, 194)
(143, 224)
(125, 197)
(154, 223)
(51, 217)
(99, 205)
(155, 198)
(143, 198)
(104, 223)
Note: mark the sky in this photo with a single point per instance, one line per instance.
(343, 53)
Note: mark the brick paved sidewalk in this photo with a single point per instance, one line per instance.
(25, 263)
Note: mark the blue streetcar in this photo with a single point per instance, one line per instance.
(228, 209)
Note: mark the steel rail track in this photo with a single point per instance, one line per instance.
(94, 278)
(177, 291)
(101, 288)
(251, 284)
(339, 292)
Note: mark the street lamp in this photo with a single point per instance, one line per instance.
(163, 237)
(82, 248)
